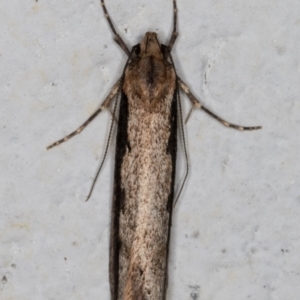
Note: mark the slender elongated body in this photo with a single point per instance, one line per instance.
(145, 164)
(144, 175)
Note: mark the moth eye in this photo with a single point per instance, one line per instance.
(137, 50)
(166, 51)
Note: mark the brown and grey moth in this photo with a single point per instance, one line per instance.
(147, 97)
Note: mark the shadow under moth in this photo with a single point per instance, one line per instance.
(148, 99)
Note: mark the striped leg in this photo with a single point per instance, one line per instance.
(104, 105)
(197, 104)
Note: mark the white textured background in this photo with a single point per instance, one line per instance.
(236, 228)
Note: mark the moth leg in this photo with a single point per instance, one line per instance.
(113, 112)
(113, 116)
(197, 104)
(117, 38)
(184, 148)
(106, 103)
(174, 32)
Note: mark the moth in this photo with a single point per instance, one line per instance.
(148, 99)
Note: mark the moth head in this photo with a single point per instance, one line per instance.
(150, 46)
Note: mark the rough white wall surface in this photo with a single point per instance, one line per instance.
(236, 227)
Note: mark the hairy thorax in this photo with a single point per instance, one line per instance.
(150, 79)
(149, 76)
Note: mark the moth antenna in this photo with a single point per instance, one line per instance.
(117, 37)
(174, 32)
